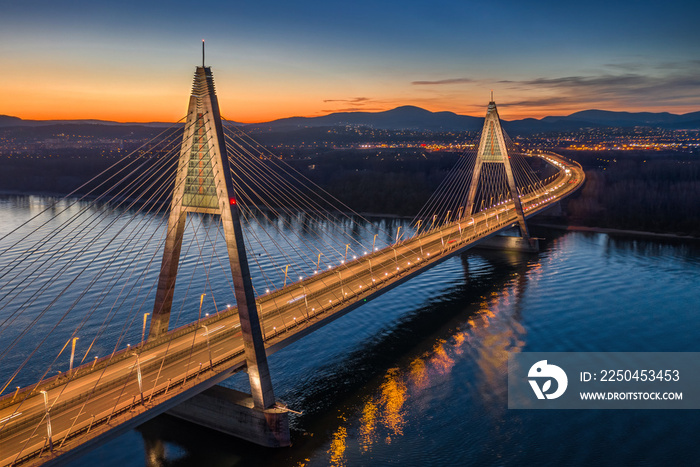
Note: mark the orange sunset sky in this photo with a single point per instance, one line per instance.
(132, 62)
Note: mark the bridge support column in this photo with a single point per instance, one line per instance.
(234, 413)
(204, 185)
(554, 211)
(494, 152)
(503, 242)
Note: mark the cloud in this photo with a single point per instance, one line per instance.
(636, 84)
(354, 109)
(672, 85)
(544, 102)
(353, 101)
(355, 104)
(581, 81)
(443, 81)
(625, 66)
(687, 65)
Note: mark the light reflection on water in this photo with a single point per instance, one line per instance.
(448, 404)
(94, 268)
(418, 376)
(488, 337)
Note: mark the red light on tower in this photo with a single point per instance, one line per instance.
(232, 201)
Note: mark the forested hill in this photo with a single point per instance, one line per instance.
(415, 118)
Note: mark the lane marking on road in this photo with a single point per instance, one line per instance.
(296, 299)
(10, 417)
(211, 331)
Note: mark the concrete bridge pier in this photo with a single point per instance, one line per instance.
(510, 243)
(555, 210)
(234, 413)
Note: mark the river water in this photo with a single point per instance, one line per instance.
(418, 376)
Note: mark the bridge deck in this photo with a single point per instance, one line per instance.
(101, 400)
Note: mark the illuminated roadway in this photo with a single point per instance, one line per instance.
(102, 399)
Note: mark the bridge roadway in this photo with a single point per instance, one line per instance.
(101, 400)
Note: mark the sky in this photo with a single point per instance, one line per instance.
(134, 60)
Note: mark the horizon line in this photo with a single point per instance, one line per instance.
(140, 122)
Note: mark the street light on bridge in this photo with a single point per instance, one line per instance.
(342, 289)
(48, 419)
(306, 301)
(201, 300)
(72, 354)
(138, 375)
(143, 331)
(206, 333)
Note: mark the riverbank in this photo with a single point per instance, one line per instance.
(618, 232)
(576, 228)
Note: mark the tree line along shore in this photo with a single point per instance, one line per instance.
(646, 191)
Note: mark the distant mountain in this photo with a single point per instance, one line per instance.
(6, 121)
(410, 117)
(623, 119)
(401, 118)
(415, 118)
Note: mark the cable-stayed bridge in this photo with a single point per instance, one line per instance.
(151, 241)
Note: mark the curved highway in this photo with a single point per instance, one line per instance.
(103, 399)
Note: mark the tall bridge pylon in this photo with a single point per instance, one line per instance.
(203, 184)
(493, 150)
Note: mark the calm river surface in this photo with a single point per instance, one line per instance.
(418, 376)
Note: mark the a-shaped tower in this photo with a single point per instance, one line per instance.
(493, 150)
(203, 185)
